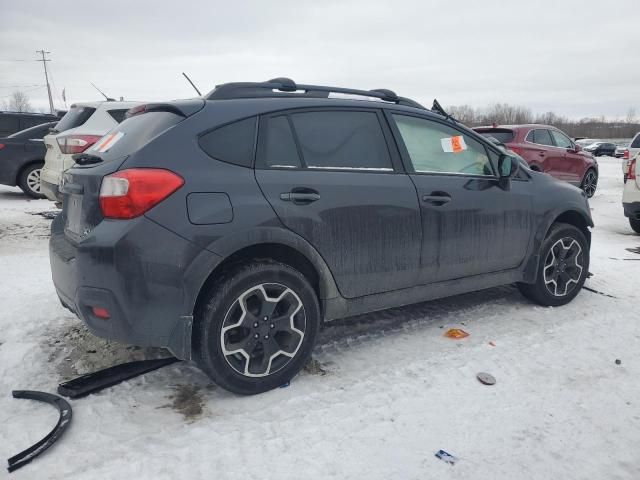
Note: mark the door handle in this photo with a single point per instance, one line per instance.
(436, 200)
(300, 197)
(541, 154)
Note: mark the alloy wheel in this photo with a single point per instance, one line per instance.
(263, 330)
(563, 267)
(590, 183)
(33, 180)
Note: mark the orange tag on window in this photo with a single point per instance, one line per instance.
(453, 144)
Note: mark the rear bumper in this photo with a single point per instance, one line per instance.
(50, 191)
(146, 277)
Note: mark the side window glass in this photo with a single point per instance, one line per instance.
(434, 147)
(232, 143)
(542, 137)
(277, 144)
(561, 139)
(342, 139)
(530, 138)
(117, 115)
(636, 142)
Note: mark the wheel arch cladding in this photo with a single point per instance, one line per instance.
(577, 219)
(316, 274)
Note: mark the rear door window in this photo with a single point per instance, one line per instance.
(541, 136)
(502, 135)
(232, 143)
(350, 140)
(636, 142)
(277, 146)
(75, 117)
(9, 124)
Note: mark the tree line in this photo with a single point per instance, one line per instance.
(505, 114)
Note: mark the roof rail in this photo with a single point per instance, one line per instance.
(285, 87)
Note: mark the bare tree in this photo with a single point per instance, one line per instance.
(631, 115)
(19, 102)
(463, 113)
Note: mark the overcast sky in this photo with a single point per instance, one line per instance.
(576, 58)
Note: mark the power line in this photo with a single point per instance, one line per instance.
(24, 91)
(46, 76)
(21, 86)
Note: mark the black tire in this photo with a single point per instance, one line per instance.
(540, 291)
(635, 224)
(29, 180)
(589, 183)
(222, 307)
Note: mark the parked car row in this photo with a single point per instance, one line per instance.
(228, 227)
(549, 150)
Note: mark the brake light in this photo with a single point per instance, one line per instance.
(515, 150)
(625, 155)
(631, 172)
(76, 143)
(137, 110)
(1, 146)
(130, 193)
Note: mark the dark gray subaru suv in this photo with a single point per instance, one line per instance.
(228, 228)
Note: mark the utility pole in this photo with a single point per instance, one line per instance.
(46, 76)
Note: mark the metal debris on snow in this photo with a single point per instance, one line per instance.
(446, 457)
(486, 378)
(456, 333)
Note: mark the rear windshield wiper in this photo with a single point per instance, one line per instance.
(86, 159)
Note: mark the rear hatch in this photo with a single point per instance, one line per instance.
(80, 185)
(56, 162)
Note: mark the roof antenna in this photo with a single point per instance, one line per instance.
(192, 84)
(437, 108)
(102, 93)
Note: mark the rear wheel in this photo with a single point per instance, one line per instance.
(590, 182)
(257, 328)
(563, 267)
(29, 180)
(635, 224)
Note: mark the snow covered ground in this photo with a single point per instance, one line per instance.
(383, 394)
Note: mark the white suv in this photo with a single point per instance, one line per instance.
(632, 151)
(631, 194)
(82, 126)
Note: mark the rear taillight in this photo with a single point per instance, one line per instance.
(130, 193)
(631, 171)
(625, 155)
(76, 143)
(515, 150)
(1, 146)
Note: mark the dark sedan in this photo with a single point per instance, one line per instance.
(22, 158)
(598, 149)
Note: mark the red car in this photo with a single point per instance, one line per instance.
(547, 149)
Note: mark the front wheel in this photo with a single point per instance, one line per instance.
(563, 267)
(635, 224)
(29, 180)
(590, 183)
(257, 327)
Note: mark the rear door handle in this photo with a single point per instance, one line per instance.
(300, 197)
(436, 200)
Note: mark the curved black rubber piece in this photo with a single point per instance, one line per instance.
(64, 420)
(96, 381)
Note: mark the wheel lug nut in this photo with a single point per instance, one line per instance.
(265, 318)
(266, 336)
(255, 325)
(256, 336)
(272, 326)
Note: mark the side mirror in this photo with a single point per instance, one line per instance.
(507, 166)
(574, 149)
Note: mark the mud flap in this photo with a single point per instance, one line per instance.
(96, 381)
(64, 420)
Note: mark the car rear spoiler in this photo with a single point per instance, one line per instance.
(184, 108)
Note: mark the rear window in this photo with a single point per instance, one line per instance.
(133, 134)
(9, 124)
(501, 134)
(232, 143)
(118, 115)
(38, 131)
(75, 117)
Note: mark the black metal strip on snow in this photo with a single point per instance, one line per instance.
(96, 381)
(64, 420)
(598, 292)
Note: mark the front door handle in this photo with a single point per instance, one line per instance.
(436, 200)
(300, 196)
